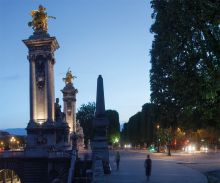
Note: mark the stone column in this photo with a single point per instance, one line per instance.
(41, 135)
(69, 102)
(32, 89)
(74, 115)
(31, 95)
(50, 101)
(53, 88)
(41, 51)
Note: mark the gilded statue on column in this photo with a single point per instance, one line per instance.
(69, 77)
(39, 19)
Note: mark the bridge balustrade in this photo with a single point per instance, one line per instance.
(11, 154)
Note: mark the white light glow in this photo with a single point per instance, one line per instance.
(190, 148)
(41, 121)
(204, 149)
(127, 146)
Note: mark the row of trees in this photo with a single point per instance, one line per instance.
(143, 129)
(140, 127)
(85, 115)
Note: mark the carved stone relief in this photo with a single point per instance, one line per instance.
(40, 74)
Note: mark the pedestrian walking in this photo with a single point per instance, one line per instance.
(148, 166)
(117, 159)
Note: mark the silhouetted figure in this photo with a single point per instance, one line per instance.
(148, 165)
(117, 159)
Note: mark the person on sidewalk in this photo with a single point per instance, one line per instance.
(117, 159)
(148, 165)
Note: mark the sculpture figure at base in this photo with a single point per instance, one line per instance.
(80, 135)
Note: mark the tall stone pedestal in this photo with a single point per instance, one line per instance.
(69, 103)
(43, 131)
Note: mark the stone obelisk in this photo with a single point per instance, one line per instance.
(100, 123)
(100, 99)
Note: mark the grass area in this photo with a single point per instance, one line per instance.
(213, 176)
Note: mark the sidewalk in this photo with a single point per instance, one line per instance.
(132, 171)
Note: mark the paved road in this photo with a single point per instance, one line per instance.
(132, 171)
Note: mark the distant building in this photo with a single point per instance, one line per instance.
(4, 134)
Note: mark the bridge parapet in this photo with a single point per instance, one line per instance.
(13, 154)
(59, 154)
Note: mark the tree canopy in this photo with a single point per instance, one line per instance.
(140, 127)
(113, 131)
(85, 116)
(185, 58)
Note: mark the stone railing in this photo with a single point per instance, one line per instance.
(59, 154)
(11, 154)
(55, 154)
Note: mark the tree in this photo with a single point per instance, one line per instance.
(131, 130)
(185, 55)
(134, 129)
(140, 128)
(124, 133)
(113, 131)
(148, 120)
(85, 115)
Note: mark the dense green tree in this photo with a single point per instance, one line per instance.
(139, 130)
(134, 128)
(148, 122)
(131, 130)
(124, 134)
(85, 115)
(113, 131)
(185, 58)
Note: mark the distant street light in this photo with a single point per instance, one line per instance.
(1, 146)
(18, 144)
(12, 141)
(116, 140)
(158, 139)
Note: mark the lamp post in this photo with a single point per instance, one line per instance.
(158, 138)
(18, 144)
(12, 141)
(1, 145)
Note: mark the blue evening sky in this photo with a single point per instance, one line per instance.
(107, 37)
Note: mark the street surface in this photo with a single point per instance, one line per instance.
(164, 170)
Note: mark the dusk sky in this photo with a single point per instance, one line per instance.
(107, 37)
